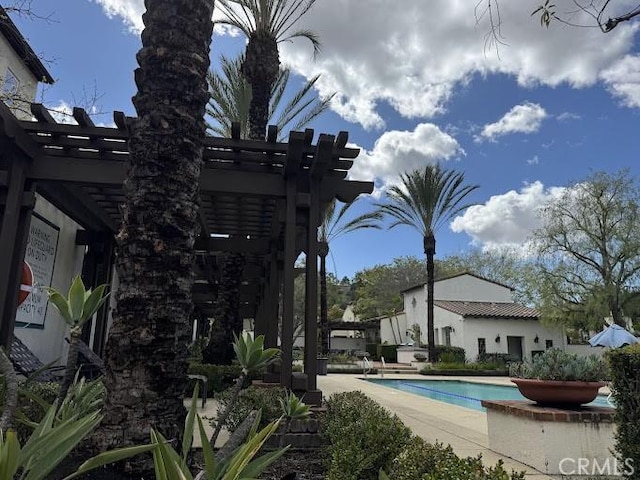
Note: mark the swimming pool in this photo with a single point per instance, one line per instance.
(461, 393)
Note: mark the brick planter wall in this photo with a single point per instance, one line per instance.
(554, 441)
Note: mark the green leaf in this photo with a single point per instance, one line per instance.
(382, 475)
(111, 456)
(76, 299)
(210, 464)
(187, 438)
(61, 305)
(9, 453)
(93, 301)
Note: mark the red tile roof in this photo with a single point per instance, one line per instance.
(487, 309)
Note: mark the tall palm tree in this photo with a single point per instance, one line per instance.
(147, 348)
(231, 97)
(426, 200)
(333, 226)
(265, 24)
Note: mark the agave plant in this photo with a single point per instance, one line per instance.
(76, 308)
(172, 465)
(293, 408)
(252, 357)
(556, 364)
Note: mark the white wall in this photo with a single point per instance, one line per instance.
(462, 288)
(342, 343)
(586, 350)
(471, 289)
(28, 83)
(393, 329)
(490, 328)
(48, 343)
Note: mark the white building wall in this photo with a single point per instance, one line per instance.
(27, 82)
(393, 329)
(48, 343)
(471, 289)
(415, 306)
(490, 328)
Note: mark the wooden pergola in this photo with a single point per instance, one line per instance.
(263, 199)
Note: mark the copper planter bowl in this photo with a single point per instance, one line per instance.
(557, 393)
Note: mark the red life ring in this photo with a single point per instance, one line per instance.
(26, 283)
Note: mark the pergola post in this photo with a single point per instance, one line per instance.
(17, 203)
(311, 292)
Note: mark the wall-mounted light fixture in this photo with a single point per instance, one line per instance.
(536, 340)
(498, 338)
(453, 330)
(414, 302)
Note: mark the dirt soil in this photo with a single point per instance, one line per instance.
(306, 464)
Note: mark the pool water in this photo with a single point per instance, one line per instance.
(463, 394)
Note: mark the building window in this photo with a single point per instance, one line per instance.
(548, 344)
(482, 346)
(447, 336)
(10, 86)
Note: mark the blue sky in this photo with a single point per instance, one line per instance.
(415, 85)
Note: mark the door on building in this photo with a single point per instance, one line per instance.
(514, 347)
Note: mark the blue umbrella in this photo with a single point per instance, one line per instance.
(613, 336)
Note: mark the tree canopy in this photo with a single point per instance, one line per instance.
(589, 248)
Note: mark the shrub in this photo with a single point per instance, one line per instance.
(423, 461)
(389, 352)
(449, 354)
(625, 385)
(363, 437)
(219, 377)
(250, 399)
(372, 349)
(556, 364)
(29, 407)
(341, 358)
(501, 359)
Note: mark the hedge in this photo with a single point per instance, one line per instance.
(389, 352)
(363, 437)
(423, 461)
(219, 377)
(625, 386)
(450, 354)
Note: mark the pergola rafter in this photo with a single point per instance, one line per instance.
(261, 198)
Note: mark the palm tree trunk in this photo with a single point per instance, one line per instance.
(260, 67)
(430, 251)
(227, 319)
(72, 365)
(147, 348)
(323, 250)
(11, 391)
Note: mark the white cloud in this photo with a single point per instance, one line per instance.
(623, 80)
(526, 118)
(62, 113)
(533, 160)
(413, 58)
(507, 219)
(130, 11)
(395, 152)
(566, 116)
